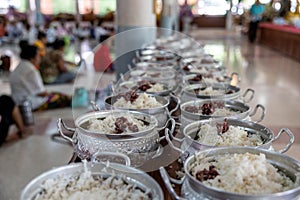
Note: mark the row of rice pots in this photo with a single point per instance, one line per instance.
(215, 115)
(208, 93)
(144, 92)
(190, 69)
(131, 136)
(135, 113)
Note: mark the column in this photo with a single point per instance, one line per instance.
(39, 19)
(229, 20)
(135, 26)
(78, 16)
(92, 5)
(29, 13)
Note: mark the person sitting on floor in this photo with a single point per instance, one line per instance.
(54, 69)
(5, 63)
(26, 81)
(9, 114)
(41, 43)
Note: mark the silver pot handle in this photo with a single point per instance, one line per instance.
(167, 133)
(129, 67)
(248, 91)
(113, 88)
(137, 53)
(166, 179)
(135, 60)
(104, 156)
(122, 77)
(158, 152)
(172, 137)
(177, 105)
(263, 112)
(291, 141)
(95, 106)
(61, 124)
(166, 124)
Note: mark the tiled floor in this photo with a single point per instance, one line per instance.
(274, 77)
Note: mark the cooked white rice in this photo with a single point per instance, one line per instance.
(86, 187)
(214, 79)
(107, 125)
(233, 137)
(144, 101)
(206, 69)
(211, 91)
(243, 174)
(151, 74)
(224, 112)
(196, 70)
(157, 87)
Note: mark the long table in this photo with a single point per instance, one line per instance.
(282, 38)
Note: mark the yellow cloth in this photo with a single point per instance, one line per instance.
(42, 48)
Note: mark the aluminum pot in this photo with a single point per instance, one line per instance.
(139, 146)
(166, 65)
(226, 92)
(241, 111)
(158, 58)
(147, 52)
(190, 145)
(150, 74)
(197, 65)
(158, 54)
(175, 44)
(194, 189)
(167, 92)
(191, 52)
(195, 78)
(167, 76)
(161, 113)
(124, 86)
(129, 174)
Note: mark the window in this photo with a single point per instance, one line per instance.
(211, 7)
(85, 6)
(20, 5)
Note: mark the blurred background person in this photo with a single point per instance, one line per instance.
(51, 35)
(25, 31)
(32, 35)
(9, 115)
(41, 43)
(170, 16)
(256, 14)
(5, 63)
(2, 30)
(12, 31)
(26, 82)
(101, 33)
(186, 17)
(54, 68)
(102, 58)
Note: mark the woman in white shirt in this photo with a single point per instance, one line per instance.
(26, 82)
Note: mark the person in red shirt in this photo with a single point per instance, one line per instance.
(2, 30)
(102, 58)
